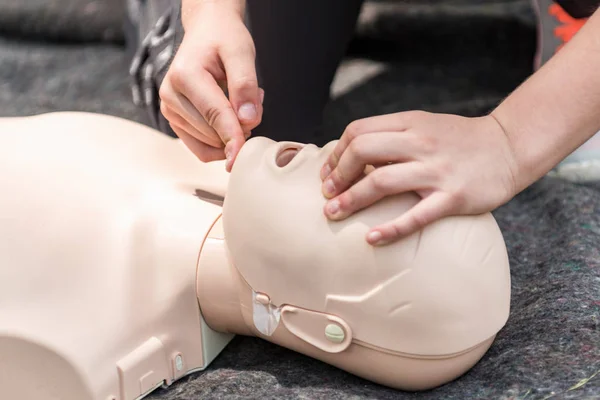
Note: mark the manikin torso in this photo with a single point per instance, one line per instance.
(99, 239)
(117, 270)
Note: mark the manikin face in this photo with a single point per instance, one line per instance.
(274, 207)
(442, 282)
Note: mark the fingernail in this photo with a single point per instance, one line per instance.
(333, 207)
(247, 112)
(374, 237)
(262, 96)
(326, 171)
(329, 187)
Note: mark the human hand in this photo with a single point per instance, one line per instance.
(457, 165)
(217, 53)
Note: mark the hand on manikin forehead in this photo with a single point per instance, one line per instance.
(284, 246)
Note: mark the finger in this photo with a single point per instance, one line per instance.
(382, 182)
(247, 128)
(183, 107)
(425, 212)
(242, 83)
(373, 149)
(208, 98)
(176, 118)
(201, 150)
(391, 123)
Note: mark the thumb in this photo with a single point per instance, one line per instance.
(242, 85)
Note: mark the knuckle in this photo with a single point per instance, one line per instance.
(173, 118)
(356, 148)
(246, 48)
(176, 129)
(213, 115)
(457, 199)
(419, 221)
(244, 83)
(429, 144)
(178, 72)
(163, 93)
(238, 52)
(348, 202)
(398, 230)
(164, 110)
(333, 159)
(416, 115)
(411, 117)
(381, 180)
(353, 130)
(443, 169)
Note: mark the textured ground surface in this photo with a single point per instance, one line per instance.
(448, 56)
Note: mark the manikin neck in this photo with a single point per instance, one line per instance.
(219, 285)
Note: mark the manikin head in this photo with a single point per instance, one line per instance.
(435, 293)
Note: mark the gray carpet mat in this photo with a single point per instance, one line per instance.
(454, 56)
(37, 77)
(65, 20)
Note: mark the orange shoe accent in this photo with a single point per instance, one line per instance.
(570, 25)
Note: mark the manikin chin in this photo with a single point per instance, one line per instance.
(122, 269)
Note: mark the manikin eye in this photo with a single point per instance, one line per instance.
(285, 155)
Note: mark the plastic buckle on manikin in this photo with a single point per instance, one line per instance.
(324, 331)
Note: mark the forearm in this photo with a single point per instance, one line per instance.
(557, 109)
(189, 7)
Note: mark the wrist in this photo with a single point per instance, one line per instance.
(531, 159)
(191, 8)
(556, 109)
(513, 180)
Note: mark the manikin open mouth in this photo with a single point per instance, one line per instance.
(287, 153)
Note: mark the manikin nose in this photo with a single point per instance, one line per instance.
(286, 153)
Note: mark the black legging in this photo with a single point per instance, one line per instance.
(299, 45)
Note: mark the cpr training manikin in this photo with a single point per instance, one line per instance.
(126, 264)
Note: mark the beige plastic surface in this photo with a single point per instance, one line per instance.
(443, 293)
(103, 222)
(219, 279)
(100, 229)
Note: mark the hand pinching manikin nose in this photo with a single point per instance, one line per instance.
(217, 55)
